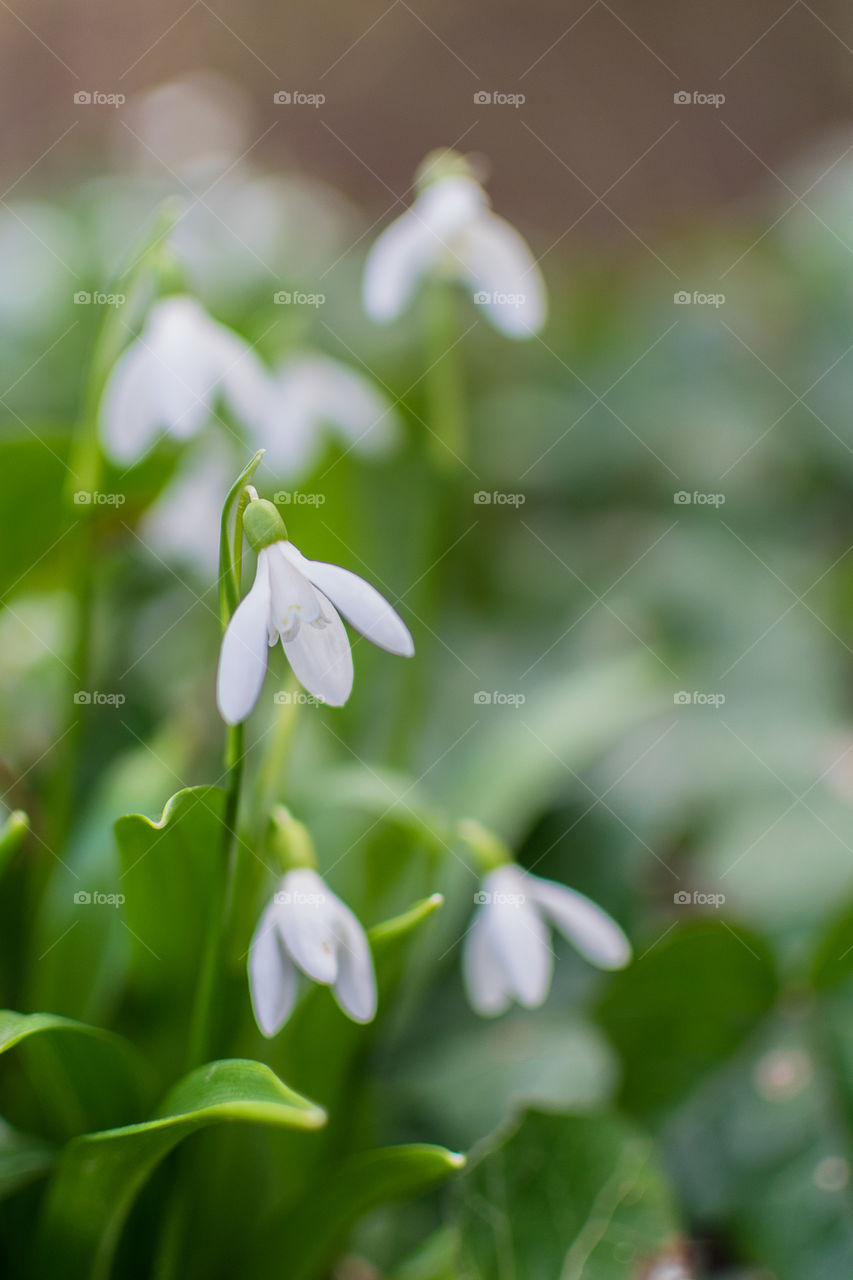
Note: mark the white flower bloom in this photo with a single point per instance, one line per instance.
(297, 600)
(451, 231)
(172, 375)
(307, 928)
(508, 952)
(313, 393)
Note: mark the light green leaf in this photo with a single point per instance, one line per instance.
(579, 1197)
(77, 1076)
(99, 1175)
(171, 877)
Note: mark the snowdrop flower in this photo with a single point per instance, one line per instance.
(450, 231)
(508, 952)
(172, 375)
(314, 392)
(296, 600)
(307, 929)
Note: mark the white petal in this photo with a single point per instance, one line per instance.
(395, 266)
(185, 365)
(243, 656)
(322, 659)
(590, 929)
(485, 982)
(498, 262)
(183, 523)
(313, 393)
(355, 988)
(128, 414)
(244, 382)
(272, 977)
(419, 240)
(306, 924)
(518, 936)
(294, 601)
(359, 602)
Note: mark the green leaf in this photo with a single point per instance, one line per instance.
(76, 1077)
(23, 1159)
(310, 1234)
(99, 1175)
(683, 1007)
(579, 1197)
(171, 871)
(12, 835)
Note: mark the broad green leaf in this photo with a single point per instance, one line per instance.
(472, 1077)
(99, 1175)
(74, 1077)
(80, 950)
(579, 1197)
(761, 1153)
(308, 1237)
(683, 1007)
(172, 877)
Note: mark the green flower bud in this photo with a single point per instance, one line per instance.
(263, 525)
(289, 841)
(441, 163)
(489, 850)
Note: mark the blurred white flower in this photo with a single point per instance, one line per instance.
(508, 952)
(307, 928)
(183, 523)
(451, 231)
(294, 599)
(170, 378)
(315, 393)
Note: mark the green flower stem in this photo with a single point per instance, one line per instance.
(445, 391)
(210, 969)
(84, 473)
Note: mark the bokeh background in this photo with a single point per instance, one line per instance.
(667, 602)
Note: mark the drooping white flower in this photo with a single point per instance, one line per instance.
(313, 393)
(451, 231)
(508, 954)
(172, 375)
(296, 600)
(306, 928)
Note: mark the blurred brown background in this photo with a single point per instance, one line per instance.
(599, 119)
